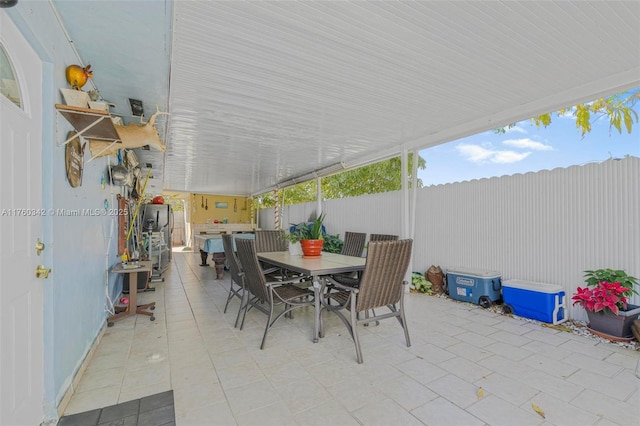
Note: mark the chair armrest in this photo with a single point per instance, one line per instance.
(270, 282)
(336, 284)
(270, 270)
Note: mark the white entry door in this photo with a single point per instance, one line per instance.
(21, 293)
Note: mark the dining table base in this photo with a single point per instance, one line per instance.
(317, 269)
(318, 289)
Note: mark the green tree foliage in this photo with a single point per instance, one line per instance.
(378, 177)
(618, 109)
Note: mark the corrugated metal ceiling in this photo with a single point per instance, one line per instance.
(260, 92)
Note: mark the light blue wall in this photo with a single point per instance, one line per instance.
(79, 248)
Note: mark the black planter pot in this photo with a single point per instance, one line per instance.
(614, 325)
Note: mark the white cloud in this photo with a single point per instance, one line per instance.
(516, 129)
(505, 157)
(481, 154)
(474, 153)
(527, 143)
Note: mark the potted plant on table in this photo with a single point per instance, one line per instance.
(310, 235)
(605, 300)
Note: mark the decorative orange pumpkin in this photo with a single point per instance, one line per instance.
(78, 76)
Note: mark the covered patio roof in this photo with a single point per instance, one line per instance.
(261, 92)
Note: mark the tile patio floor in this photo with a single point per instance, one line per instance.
(219, 376)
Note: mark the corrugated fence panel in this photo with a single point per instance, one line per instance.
(547, 226)
(377, 213)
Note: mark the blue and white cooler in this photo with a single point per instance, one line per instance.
(539, 301)
(479, 286)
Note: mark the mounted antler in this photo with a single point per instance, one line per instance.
(152, 119)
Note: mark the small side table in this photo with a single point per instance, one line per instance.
(133, 308)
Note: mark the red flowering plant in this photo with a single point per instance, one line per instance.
(604, 296)
(606, 289)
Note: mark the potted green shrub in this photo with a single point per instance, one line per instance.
(310, 235)
(605, 301)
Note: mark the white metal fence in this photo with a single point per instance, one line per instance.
(547, 226)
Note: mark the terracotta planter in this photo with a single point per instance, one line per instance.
(311, 248)
(614, 325)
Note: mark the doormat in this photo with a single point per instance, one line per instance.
(155, 409)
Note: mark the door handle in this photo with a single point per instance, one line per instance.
(42, 272)
(39, 247)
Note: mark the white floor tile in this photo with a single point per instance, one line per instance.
(506, 388)
(196, 396)
(303, 395)
(441, 412)
(220, 376)
(355, 394)
(456, 390)
(218, 414)
(92, 380)
(275, 414)
(557, 412)
(251, 396)
(498, 412)
(92, 399)
(384, 413)
(329, 413)
(604, 406)
(406, 392)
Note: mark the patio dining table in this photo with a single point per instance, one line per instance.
(316, 268)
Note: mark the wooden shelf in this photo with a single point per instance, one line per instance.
(90, 123)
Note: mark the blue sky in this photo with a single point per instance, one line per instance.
(526, 148)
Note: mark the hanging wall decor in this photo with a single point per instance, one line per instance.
(74, 160)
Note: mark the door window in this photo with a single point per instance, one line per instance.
(8, 82)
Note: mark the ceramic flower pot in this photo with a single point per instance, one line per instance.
(614, 325)
(311, 248)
